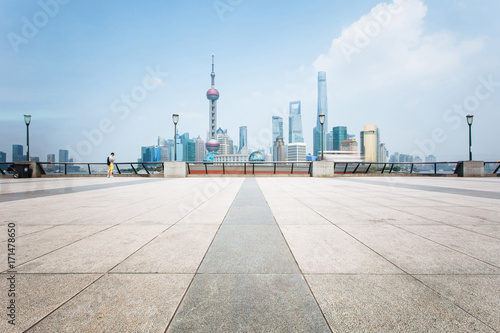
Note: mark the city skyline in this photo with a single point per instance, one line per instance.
(415, 75)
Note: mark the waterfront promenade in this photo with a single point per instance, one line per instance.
(132, 254)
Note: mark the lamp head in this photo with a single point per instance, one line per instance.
(470, 118)
(27, 119)
(322, 119)
(175, 118)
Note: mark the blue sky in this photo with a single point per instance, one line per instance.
(405, 73)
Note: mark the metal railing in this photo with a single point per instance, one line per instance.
(249, 168)
(75, 168)
(421, 168)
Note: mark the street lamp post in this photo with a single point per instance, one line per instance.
(27, 120)
(175, 119)
(322, 121)
(470, 118)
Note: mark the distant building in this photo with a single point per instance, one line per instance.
(339, 135)
(165, 153)
(231, 158)
(430, 158)
(3, 159)
(349, 145)
(162, 142)
(17, 153)
(147, 154)
(295, 123)
(188, 148)
(382, 153)
(243, 149)
(296, 152)
(35, 159)
(226, 146)
(370, 140)
(329, 141)
(199, 149)
(277, 127)
(279, 149)
(318, 136)
(63, 156)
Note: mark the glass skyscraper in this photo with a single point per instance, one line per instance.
(17, 153)
(322, 109)
(243, 148)
(370, 141)
(339, 134)
(295, 125)
(277, 128)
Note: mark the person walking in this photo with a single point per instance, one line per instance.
(111, 166)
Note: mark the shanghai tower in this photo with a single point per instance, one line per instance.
(322, 109)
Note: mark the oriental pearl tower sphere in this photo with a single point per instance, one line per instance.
(212, 96)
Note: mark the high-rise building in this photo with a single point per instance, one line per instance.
(34, 159)
(370, 140)
(3, 159)
(318, 136)
(296, 152)
(430, 158)
(243, 149)
(329, 141)
(161, 142)
(226, 146)
(165, 153)
(63, 155)
(212, 96)
(339, 135)
(295, 123)
(277, 127)
(382, 153)
(189, 148)
(199, 149)
(279, 149)
(17, 153)
(147, 154)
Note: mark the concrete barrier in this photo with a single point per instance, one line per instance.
(175, 169)
(470, 169)
(323, 169)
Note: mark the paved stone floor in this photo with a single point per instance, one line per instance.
(392, 254)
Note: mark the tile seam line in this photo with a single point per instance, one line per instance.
(97, 232)
(41, 195)
(102, 275)
(201, 261)
(417, 215)
(448, 247)
(441, 189)
(451, 301)
(64, 303)
(414, 277)
(295, 260)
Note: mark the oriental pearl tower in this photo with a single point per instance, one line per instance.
(212, 96)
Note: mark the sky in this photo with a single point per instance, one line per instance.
(102, 76)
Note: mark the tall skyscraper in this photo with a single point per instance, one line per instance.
(277, 127)
(370, 141)
(188, 147)
(226, 146)
(295, 123)
(212, 96)
(17, 153)
(147, 154)
(63, 155)
(279, 149)
(382, 153)
(243, 149)
(3, 159)
(322, 109)
(199, 149)
(339, 134)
